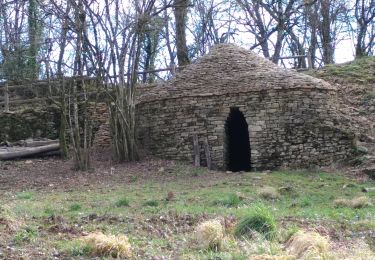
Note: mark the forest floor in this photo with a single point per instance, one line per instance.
(46, 208)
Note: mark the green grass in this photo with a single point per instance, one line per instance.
(25, 195)
(123, 202)
(49, 211)
(152, 203)
(230, 200)
(304, 202)
(259, 219)
(74, 248)
(75, 207)
(25, 235)
(156, 228)
(360, 71)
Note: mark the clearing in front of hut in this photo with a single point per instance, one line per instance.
(161, 209)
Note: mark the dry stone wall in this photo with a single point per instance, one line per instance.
(291, 128)
(102, 135)
(30, 123)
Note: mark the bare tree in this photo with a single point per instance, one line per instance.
(365, 17)
(269, 22)
(124, 29)
(211, 22)
(13, 41)
(257, 23)
(151, 47)
(331, 26)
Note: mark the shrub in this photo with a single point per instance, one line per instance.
(103, 245)
(124, 202)
(258, 219)
(269, 193)
(210, 235)
(307, 245)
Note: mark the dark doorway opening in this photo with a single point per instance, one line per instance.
(237, 142)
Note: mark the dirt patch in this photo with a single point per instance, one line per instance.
(58, 225)
(55, 174)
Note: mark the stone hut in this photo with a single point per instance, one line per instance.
(246, 112)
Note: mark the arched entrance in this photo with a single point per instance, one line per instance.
(237, 143)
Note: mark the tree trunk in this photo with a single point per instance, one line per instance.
(180, 13)
(360, 48)
(327, 46)
(34, 40)
(63, 103)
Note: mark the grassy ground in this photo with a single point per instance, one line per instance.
(159, 215)
(360, 71)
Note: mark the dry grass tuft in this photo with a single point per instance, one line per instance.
(360, 202)
(308, 245)
(356, 203)
(341, 203)
(8, 219)
(269, 193)
(359, 251)
(109, 245)
(210, 235)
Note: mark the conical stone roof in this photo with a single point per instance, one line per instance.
(231, 69)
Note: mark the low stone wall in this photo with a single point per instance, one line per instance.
(291, 128)
(30, 123)
(44, 121)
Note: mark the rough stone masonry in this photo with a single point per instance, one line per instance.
(291, 117)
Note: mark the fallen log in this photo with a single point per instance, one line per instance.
(38, 143)
(23, 152)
